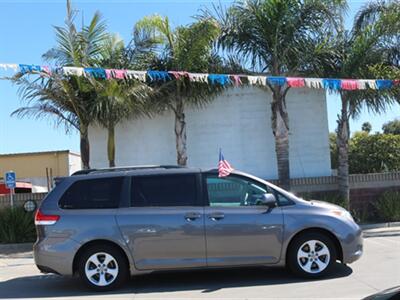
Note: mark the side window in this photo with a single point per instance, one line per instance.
(233, 191)
(164, 190)
(93, 193)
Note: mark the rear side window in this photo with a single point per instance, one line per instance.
(166, 190)
(93, 193)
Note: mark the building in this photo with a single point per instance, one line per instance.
(238, 121)
(40, 168)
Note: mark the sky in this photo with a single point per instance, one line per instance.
(26, 32)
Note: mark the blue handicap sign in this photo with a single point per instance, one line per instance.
(10, 179)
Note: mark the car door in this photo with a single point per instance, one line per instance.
(239, 232)
(164, 226)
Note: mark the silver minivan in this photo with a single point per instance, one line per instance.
(107, 224)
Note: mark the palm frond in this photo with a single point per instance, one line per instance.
(48, 110)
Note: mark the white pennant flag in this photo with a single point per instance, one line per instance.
(138, 75)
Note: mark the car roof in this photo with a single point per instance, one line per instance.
(135, 170)
(143, 170)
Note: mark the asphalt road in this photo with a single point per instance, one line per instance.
(378, 269)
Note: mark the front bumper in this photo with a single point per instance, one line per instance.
(353, 246)
(55, 255)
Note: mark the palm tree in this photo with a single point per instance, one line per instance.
(186, 48)
(116, 99)
(68, 98)
(282, 38)
(369, 50)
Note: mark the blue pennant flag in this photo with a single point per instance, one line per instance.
(98, 73)
(219, 79)
(158, 75)
(332, 84)
(384, 84)
(274, 80)
(29, 68)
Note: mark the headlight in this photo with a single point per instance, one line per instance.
(343, 213)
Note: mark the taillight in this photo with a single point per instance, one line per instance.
(42, 219)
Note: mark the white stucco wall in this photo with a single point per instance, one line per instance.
(239, 121)
(74, 163)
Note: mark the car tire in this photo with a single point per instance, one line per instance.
(311, 255)
(103, 268)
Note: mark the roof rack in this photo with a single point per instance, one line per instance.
(130, 168)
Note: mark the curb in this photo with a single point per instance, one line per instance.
(6, 249)
(379, 225)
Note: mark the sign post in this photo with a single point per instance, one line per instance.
(10, 181)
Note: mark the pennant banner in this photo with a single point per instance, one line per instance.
(331, 84)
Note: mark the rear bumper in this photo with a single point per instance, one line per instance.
(55, 255)
(353, 246)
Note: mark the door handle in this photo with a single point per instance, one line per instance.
(216, 216)
(192, 216)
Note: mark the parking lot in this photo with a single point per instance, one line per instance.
(378, 269)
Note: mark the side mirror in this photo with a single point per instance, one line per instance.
(268, 200)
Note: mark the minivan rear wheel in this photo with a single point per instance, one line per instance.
(103, 268)
(311, 255)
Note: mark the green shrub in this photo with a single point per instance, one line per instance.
(388, 206)
(374, 153)
(16, 226)
(369, 153)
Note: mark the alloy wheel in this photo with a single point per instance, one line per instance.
(313, 256)
(101, 269)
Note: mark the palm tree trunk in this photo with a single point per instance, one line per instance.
(343, 150)
(84, 146)
(180, 133)
(280, 129)
(111, 145)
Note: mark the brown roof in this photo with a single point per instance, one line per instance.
(39, 153)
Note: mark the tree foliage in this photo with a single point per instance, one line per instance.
(374, 153)
(68, 99)
(282, 38)
(366, 127)
(370, 153)
(185, 48)
(391, 127)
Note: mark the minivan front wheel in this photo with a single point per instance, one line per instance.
(312, 255)
(103, 268)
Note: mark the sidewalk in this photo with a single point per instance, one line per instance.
(23, 250)
(381, 232)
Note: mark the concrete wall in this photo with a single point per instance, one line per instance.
(239, 121)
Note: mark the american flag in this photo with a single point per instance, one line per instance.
(224, 168)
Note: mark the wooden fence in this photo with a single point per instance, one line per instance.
(20, 199)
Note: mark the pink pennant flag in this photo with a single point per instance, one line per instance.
(349, 84)
(236, 80)
(396, 82)
(109, 74)
(295, 82)
(46, 70)
(115, 73)
(179, 74)
(119, 74)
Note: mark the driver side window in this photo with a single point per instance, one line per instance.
(233, 191)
